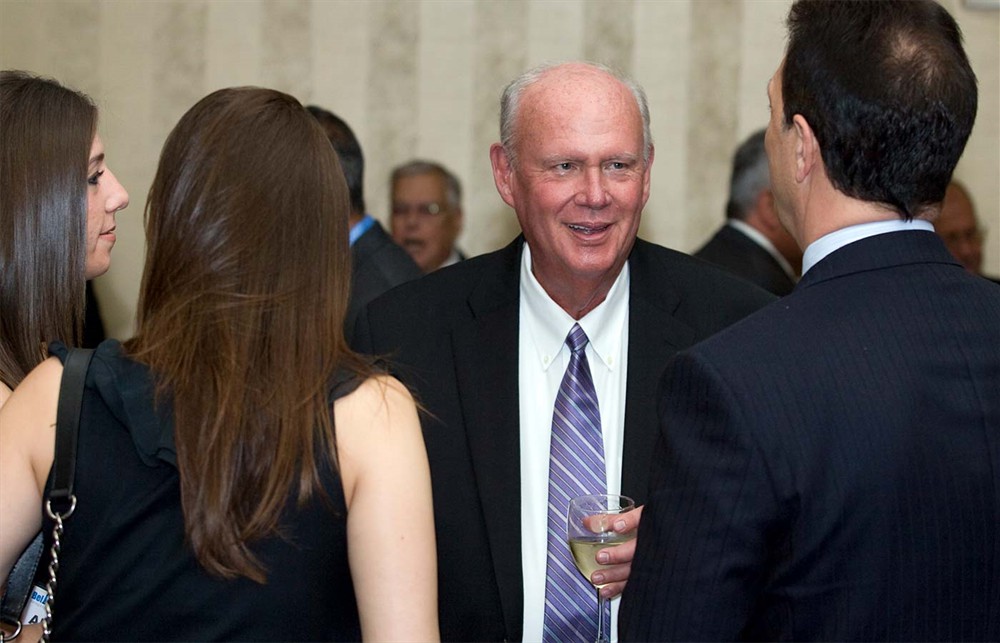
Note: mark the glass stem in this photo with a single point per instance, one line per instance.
(603, 633)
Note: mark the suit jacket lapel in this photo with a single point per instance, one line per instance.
(486, 363)
(654, 334)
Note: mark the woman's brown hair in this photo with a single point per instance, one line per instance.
(240, 314)
(46, 131)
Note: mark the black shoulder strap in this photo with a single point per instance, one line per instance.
(71, 386)
(68, 422)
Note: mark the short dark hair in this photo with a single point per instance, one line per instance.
(750, 176)
(889, 92)
(348, 151)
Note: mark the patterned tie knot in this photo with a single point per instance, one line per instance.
(577, 339)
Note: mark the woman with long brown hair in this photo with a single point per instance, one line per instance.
(241, 473)
(57, 217)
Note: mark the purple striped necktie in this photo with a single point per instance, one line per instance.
(576, 468)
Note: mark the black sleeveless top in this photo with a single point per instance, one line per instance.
(125, 570)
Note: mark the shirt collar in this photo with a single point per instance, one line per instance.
(837, 239)
(451, 260)
(360, 228)
(551, 324)
(757, 237)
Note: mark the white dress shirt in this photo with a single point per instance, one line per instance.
(542, 360)
(837, 239)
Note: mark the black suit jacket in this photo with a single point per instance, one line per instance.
(742, 256)
(454, 336)
(829, 468)
(377, 264)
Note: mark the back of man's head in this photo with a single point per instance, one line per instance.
(750, 176)
(349, 152)
(889, 92)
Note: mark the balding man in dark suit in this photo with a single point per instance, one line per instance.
(482, 343)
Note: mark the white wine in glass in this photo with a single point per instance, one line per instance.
(589, 530)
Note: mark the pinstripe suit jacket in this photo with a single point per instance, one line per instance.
(453, 337)
(829, 468)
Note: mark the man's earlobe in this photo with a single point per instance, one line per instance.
(806, 148)
(501, 172)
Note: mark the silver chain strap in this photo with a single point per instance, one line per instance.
(50, 586)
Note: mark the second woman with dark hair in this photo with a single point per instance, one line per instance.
(242, 474)
(57, 217)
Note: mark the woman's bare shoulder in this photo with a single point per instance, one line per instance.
(28, 419)
(38, 391)
(374, 402)
(378, 431)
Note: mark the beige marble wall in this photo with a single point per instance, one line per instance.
(422, 78)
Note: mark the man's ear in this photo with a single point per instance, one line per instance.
(646, 175)
(807, 153)
(502, 173)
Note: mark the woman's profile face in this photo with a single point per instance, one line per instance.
(105, 196)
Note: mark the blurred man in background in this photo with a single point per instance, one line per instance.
(427, 213)
(377, 264)
(959, 227)
(753, 243)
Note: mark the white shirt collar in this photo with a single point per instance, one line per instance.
(551, 324)
(451, 260)
(757, 237)
(837, 239)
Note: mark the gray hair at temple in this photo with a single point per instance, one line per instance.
(750, 176)
(511, 98)
(419, 167)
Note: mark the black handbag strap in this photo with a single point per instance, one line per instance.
(68, 422)
(22, 574)
(19, 582)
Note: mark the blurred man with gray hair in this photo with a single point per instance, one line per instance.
(427, 213)
(753, 244)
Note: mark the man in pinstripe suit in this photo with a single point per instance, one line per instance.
(829, 468)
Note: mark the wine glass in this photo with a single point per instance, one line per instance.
(589, 530)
